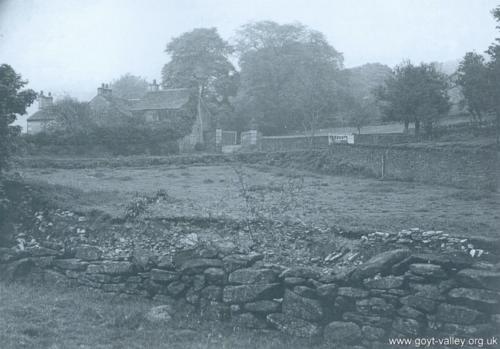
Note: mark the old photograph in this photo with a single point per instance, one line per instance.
(249, 174)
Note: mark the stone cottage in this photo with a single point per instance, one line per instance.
(44, 118)
(105, 106)
(156, 105)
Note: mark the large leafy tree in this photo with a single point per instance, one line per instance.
(130, 86)
(13, 101)
(494, 74)
(199, 59)
(361, 105)
(472, 77)
(289, 77)
(360, 112)
(415, 94)
(72, 116)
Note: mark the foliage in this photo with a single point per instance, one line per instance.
(363, 80)
(361, 112)
(415, 94)
(494, 74)
(4, 212)
(125, 139)
(472, 77)
(13, 101)
(199, 147)
(140, 204)
(80, 130)
(199, 59)
(360, 103)
(71, 116)
(289, 77)
(130, 86)
(480, 81)
(18, 202)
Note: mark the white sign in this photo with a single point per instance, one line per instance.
(347, 139)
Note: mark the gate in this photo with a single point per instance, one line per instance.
(229, 138)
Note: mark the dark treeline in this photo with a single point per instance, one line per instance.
(290, 79)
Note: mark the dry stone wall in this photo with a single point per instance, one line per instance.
(473, 168)
(394, 294)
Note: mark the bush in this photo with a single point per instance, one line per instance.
(4, 206)
(118, 140)
(13, 102)
(199, 146)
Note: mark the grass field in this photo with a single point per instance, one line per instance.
(278, 194)
(53, 317)
(42, 317)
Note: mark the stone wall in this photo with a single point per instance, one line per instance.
(383, 138)
(283, 143)
(287, 143)
(476, 168)
(393, 294)
(469, 167)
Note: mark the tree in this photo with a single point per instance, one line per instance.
(130, 86)
(360, 112)
(199, 60)
(362, 83)
(289, 77)
(71, 116)
(472, 77)
(493, 67)
(13, 102)
(415, 94)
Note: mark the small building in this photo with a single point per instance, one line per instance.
(156, 105)
(106, 107)
(159, 105)
(44, 118)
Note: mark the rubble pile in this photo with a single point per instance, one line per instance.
(279, 242)
(412, 283)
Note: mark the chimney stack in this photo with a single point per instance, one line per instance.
(154, 87)
(104, 90)
(44, 101)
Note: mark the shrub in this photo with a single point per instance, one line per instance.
(199, 147)
(4, 206)
(119, 140)
(13, 102)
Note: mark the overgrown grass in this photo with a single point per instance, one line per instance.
(38, 317)
(216, 191)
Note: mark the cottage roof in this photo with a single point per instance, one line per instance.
(122, 105)
(164, 99)
(46, 114)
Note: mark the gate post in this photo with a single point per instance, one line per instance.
(384, 160)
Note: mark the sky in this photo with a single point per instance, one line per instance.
(69, 47)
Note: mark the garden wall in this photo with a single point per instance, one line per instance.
(287, 143)
(473, 167)
(394, 294)
(300, 142)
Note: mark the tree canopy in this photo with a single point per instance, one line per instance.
(472, 77)
(71, 115)
(359, 104)
(13, 101)
(415, 94)
(289, 77)
(130, 86)
(494, 73)
(200, 59)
